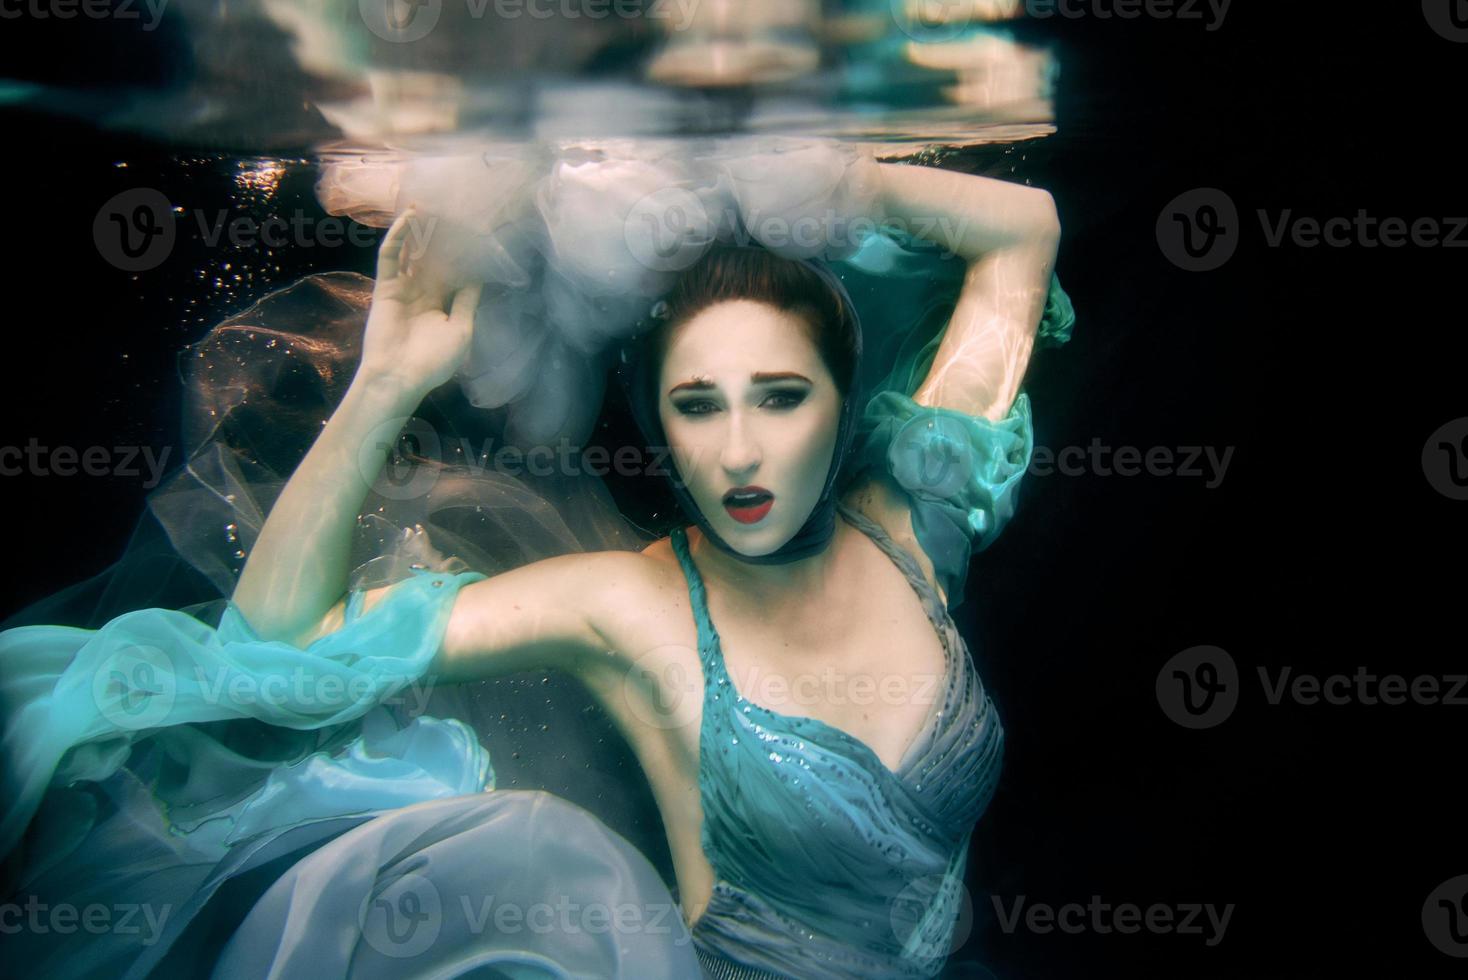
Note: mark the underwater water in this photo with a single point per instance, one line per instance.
(207, 114)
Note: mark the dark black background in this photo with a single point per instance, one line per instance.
(1325, 548)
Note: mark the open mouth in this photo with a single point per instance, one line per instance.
(748, 505)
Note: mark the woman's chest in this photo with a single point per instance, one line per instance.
(874, 671)
(871, 665)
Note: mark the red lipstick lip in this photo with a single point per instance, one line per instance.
(749, 515)
(752, 488)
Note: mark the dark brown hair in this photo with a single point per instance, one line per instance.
(728, 272)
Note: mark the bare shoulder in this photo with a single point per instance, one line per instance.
(637, 578)
(639, 607)
(879, 498)
(661, 551)
(657, 568)
(637, 597)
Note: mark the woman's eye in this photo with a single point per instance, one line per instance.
(700, 407)
(778, 400)
(784, 399)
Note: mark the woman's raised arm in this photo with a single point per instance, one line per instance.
(297, 570)
(1008, 233)
(580, 613)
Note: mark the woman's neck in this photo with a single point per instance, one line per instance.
(768, 586)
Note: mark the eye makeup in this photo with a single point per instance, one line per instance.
(780, 400)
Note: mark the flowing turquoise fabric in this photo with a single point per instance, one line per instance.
(166, 743)
(187, 768)
(77, 700)
(364, 815)
(511, 884)
(962, 473)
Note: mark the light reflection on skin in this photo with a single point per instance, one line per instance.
(727, 430)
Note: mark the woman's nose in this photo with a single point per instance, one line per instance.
(741, 451)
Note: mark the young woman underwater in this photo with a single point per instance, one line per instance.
(819, 835)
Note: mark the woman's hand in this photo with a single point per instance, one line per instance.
(410, 340)
(297, 570)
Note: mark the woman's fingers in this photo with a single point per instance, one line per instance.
(390, 252)
(466, 300)
(418, 293)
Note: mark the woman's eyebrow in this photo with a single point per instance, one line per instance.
(758, 378)
(697, 384)
(766, 377)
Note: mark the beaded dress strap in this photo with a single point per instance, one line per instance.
(709, 650)
(933, 603)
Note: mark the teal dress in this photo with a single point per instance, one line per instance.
(271, 810)
(829, 864)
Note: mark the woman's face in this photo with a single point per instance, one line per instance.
(748, 405)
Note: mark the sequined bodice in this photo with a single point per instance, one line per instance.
(829, 864)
